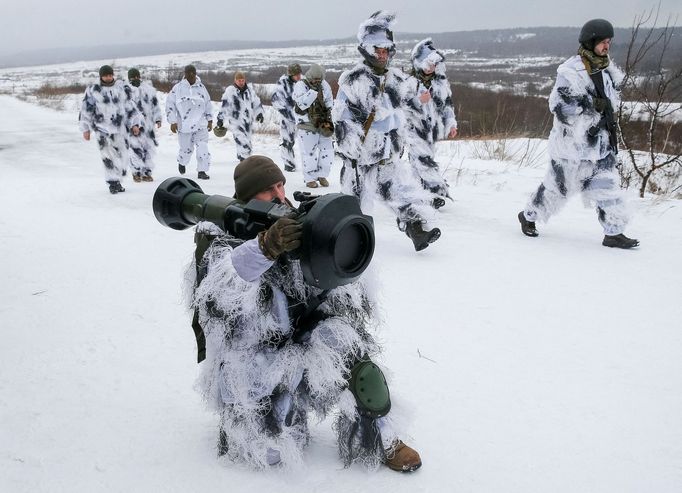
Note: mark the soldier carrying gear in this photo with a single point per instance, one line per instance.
(314, 100)
(583, 141)
(259, 379)
(319, 114)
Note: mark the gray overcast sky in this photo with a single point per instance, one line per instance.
(36, 24)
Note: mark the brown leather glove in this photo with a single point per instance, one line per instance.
(283, 236)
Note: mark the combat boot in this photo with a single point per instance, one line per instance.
(147, 178)
(181, 169)
(419, 237)
(115, 187)
(222, 442)
(137, 177)
(400, 457)
(323, 181)
(527, 227)
(311, 184)
(619, 241)
(203, 176)
(288, 167)
(438, 202)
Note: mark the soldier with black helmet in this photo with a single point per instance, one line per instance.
(583, 143)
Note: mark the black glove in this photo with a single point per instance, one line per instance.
(259, 118)
(283, 236)
(600, 104)
(593, 131)
(219, 123)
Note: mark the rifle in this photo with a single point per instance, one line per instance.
(365, 130)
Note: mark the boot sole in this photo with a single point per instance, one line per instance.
(411, 468)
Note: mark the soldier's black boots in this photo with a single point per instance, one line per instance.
(115, 187)
(202, 175)
(527, 227)
(181, 169)
(619, 241)
(222, 442)
(288, 167)
(438, 202)
(419, 237)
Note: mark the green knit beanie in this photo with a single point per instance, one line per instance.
(255, 174)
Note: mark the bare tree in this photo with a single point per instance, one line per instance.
(647, 116)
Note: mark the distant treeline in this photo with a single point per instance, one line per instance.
(495, 43)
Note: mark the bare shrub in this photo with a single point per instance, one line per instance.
(649, 119)
(52, 91)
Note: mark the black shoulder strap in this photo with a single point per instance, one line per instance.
(203, 241)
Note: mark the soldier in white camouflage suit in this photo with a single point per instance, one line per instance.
(431, 117)
(277, 350)
(370, 128)
(240, 107)
(108, 110)
(583, 142)
(314, 100)
(190, 115)
(143, 146)
(284, 104)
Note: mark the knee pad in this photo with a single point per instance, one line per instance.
(368, 385)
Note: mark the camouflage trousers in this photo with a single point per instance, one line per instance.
(114, 151)
(189, 141)
(598, 183)
(317, 155)
(142, 151)
(394, 183)
(241, 132)
(287, 132)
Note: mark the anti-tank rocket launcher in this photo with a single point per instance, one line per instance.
(338, 239)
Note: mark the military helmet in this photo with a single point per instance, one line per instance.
(219, 131)
(595, 31)
(294, 69)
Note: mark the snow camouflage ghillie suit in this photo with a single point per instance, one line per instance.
(189, 106)
(315, 143)
(373, 96)
(262, 384)
(143, 146)
(581, 149)
(284, 104)
(110, 112)
(430, 121)
(240, 107)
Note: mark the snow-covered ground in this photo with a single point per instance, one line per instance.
(527, 365)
